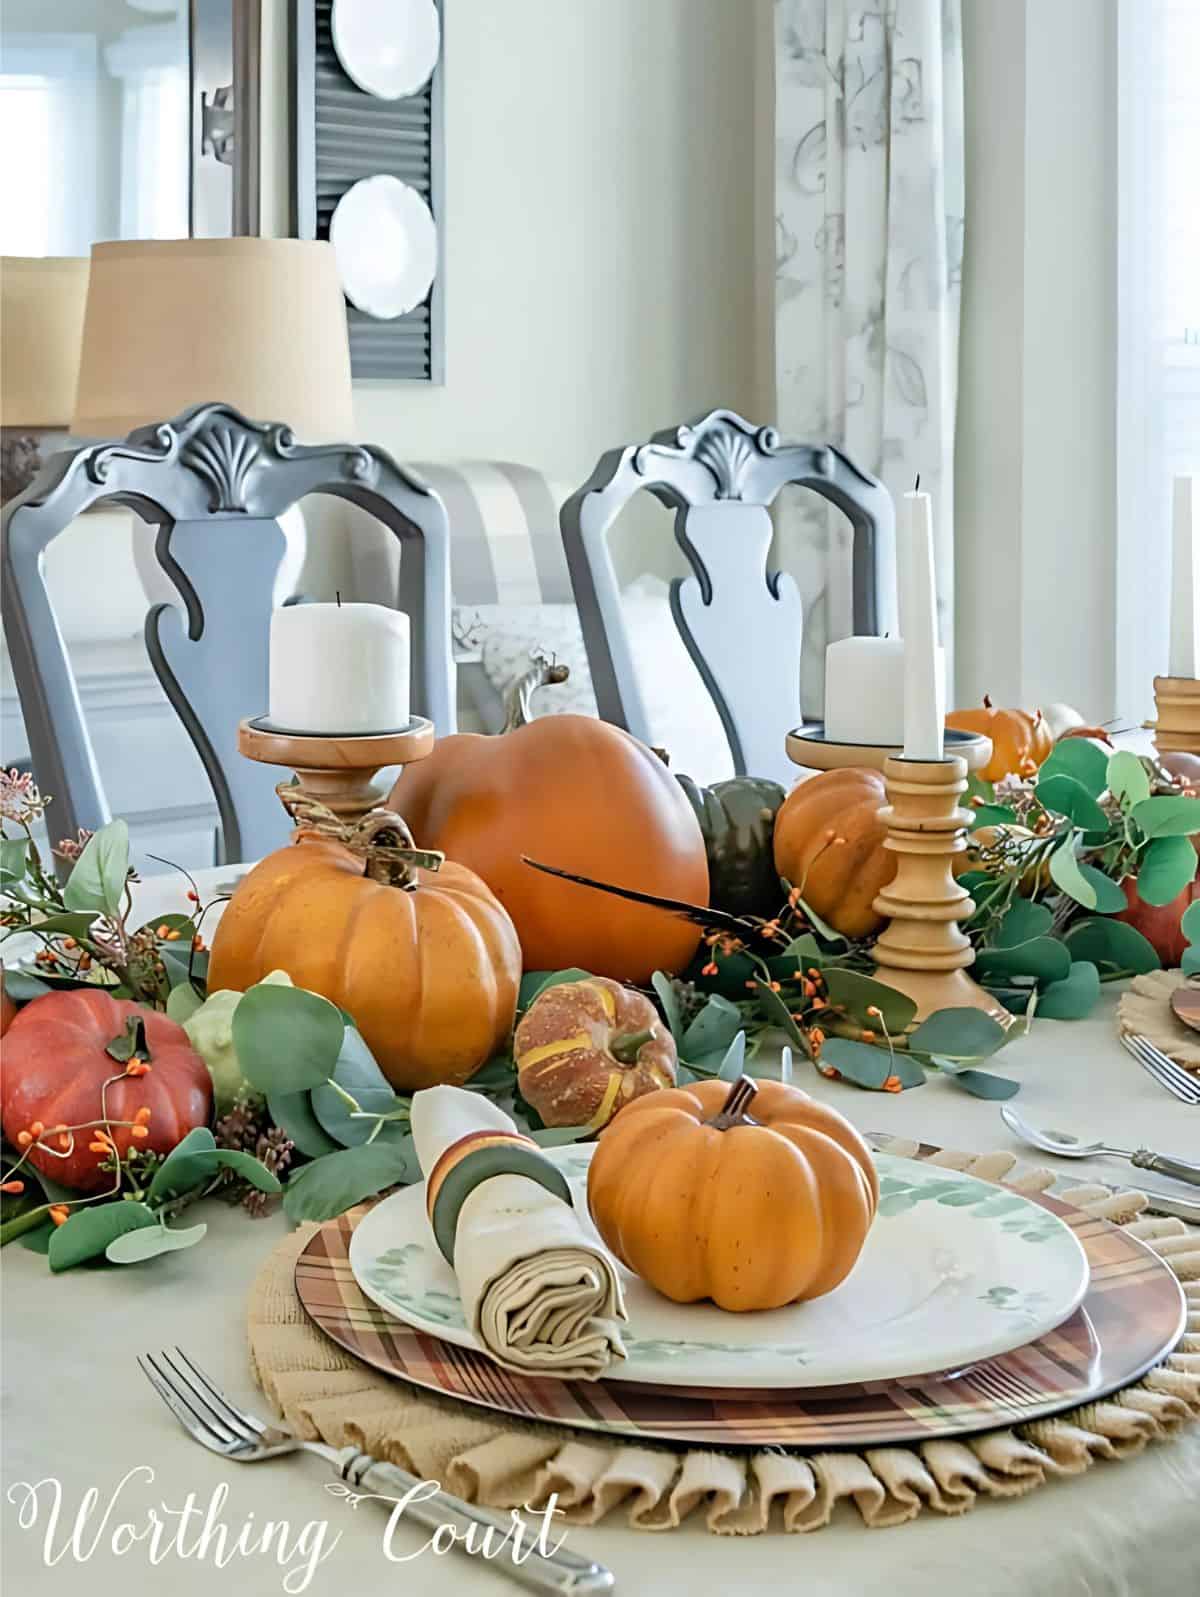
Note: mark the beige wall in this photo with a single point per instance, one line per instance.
(1035, 505)
(604, 195)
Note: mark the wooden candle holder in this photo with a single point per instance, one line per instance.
(923, 951)
(1177, 723)
(337, 772)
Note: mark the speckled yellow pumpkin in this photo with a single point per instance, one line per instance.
(753, 1195)
(585, 1049)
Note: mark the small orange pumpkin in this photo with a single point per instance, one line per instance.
(1021, 741)
(829, 843)
(426, 962)
(703, 1201)
(585, 1049)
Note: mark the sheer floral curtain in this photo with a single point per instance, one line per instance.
(869, 239)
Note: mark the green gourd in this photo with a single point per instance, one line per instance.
(737, 818)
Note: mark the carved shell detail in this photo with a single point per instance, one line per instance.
(223, 456)
(723, 443)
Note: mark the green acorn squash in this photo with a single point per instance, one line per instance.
(737, 818)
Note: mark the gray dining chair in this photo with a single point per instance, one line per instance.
(213, 483)
(741, 622)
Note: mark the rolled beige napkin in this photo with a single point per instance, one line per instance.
(542, 1296)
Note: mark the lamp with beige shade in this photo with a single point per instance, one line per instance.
(41, 322)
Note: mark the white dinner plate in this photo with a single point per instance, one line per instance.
(385, 240)
(955, 1270)
(389, 48)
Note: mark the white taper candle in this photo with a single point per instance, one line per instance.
(1184, 655)
(924, 661)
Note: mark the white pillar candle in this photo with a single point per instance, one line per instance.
(924, 661)
(1184, 657)
(339, 668)
(864, 691)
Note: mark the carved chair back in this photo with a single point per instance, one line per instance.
(741, 622)
(214, 484)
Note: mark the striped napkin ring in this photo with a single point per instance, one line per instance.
(475, 1158)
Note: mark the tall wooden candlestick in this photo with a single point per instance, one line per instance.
(923, 951)
(337, 771)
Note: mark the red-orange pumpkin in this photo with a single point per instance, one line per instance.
(8, 1010)
(55, 1065)
(581, 795)
(1160, 924)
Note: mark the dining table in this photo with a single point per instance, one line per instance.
(77, 1410)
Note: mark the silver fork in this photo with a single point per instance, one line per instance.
(211, 1419)
(1166, 1072)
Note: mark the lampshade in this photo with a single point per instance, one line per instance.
(41, 324)
(258, 323)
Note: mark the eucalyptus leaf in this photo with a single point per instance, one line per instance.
(14, 855)
(292, 1112)
(70, 923)
(1015, 999)
(87, 1233)
(1045, 958)
(183, 1002)
(983, 1084)
(1167, 816)
(1112, 945)
(147, 1242)
(497, 1076)
(993, 815)
(1165, 869)
(805, 950)
(1189, 925)
(1066, 874)
(960, 1033)
(356, 1073)
(1024, 921)
(822, 927)
(1063, 795)
(908, 1071)
(287, 1039)
(1074, 997)
(1110, 900)
(665, 990)
(861, 993)
(21, 986)
(183, 963)
(331, 1185)
(859, 1062)
(777, 1014)
(190, 1162)
(1080, 758)
(1190, 963)
(733, 1066)
(714, 1027)
(536, 982)
(1128, 779)
(248, 1168)
(97, 879)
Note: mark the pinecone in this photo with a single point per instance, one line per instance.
(247, 1128)
(273, 1149)
(246, 1121)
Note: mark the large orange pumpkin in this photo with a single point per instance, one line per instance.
(585, 1049)
(426, 962)
(829, 843)
(55, 1064)
(581, 795)
(754, 1209)
(1021, 741)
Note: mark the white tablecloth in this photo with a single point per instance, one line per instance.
(76, 1407)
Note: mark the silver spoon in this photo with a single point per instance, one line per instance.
(1069, 1147)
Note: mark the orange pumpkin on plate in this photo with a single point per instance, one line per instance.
(753, 1195)
(585, 1049)
(426, 962)
(829, 843)
(1021, 741)
(581, 795)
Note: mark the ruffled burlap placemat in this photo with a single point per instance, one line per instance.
(326, 1395)
(1144, 1010)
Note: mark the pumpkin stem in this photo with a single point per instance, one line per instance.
(987, 701)
(391, 856)
(625, 1049)
(734, 1112)
(519, 699)
(131, 1043)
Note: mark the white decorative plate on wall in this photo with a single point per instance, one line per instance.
(385, 240)
(955, 1270)
(389, 48)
